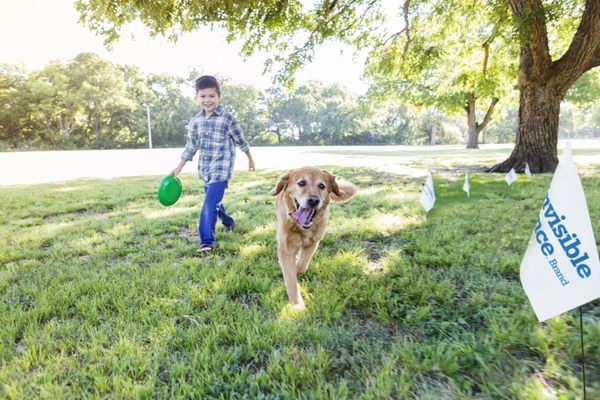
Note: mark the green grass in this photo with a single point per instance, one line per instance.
(101, 295)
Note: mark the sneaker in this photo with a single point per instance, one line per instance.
(204, 249)
(229, 228)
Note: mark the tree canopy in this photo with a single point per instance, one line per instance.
(446, 53)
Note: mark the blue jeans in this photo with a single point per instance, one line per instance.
(211, 210)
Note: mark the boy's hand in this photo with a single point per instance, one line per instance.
(179, 167)
(176, 171)
(251, 165)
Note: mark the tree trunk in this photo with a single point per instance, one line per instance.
(432, 134)
(537, 137)
(97, 130)
(472, 138)
(278, 133)
(476, 128)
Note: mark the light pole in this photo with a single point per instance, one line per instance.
(149, 126)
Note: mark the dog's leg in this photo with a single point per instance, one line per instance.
(306, 254)
(288, 268)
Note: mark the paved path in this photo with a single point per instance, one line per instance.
(51, 166)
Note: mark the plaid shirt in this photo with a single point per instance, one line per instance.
(216, 138)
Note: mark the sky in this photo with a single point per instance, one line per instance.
(35, 32)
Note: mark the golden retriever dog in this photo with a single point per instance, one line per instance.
(302, 208)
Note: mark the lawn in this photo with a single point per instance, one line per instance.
(102, 296)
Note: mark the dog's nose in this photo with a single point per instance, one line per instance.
(313, 201)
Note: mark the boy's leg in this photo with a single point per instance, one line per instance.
(225, 218)
(208, 214)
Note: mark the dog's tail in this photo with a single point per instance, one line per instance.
(344, 191)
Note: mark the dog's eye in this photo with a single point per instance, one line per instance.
(302, 183)
(322, 186)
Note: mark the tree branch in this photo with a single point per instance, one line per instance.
(595, 61)
(584, 50)
(405, 9)
(533, 15)
(488, 115)
(405, 30)
(488, 42)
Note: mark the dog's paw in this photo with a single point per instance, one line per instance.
(301, 269)
(298, 306)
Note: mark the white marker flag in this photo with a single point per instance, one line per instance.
(466, 185)
(511, 176)
(428, 194)
(560, 269)
(527, 170)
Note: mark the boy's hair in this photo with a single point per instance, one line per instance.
(207, 81)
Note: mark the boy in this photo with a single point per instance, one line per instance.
(215, 133)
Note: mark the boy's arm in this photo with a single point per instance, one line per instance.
(250, 161)
(237, 134)
(238, 138)
(191, 147)
(179, 167)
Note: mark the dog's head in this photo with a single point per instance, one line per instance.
(307, 190)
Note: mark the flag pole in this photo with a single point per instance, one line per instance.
(582, 350)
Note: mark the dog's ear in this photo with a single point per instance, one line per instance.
(282, 184)
(334, 186)
(340, 191)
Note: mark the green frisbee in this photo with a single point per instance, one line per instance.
(169, 190)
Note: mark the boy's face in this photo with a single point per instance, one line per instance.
(208, 99)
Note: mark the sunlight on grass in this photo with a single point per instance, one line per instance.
(150, 213)
(120, 230)
(66, 189)
(250, 250)
(369, 191)
(385, 222)
(289, 313)
(254, 184)
(399, 196)
(263, 229)
(46, 231)
(85, 244)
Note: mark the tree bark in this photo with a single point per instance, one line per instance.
(537, 137)
(476, 128)
(472, 137)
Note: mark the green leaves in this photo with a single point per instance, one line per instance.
(445, 53)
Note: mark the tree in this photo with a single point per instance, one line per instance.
(242, 101)
(449, 55)
(171, 110)
(293, 112)
(338, 117)
(276, 121)
(313, 113)
(544, 78)
(56, 105)
(14, 106)
(102, 94)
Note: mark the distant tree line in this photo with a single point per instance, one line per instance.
(91, 103)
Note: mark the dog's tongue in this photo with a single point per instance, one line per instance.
(302, 215)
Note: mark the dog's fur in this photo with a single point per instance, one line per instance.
(302, 208)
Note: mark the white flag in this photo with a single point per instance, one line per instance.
(466, 185)
(527, 170)
(428, 194)
(511, 176)
(560, 269)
